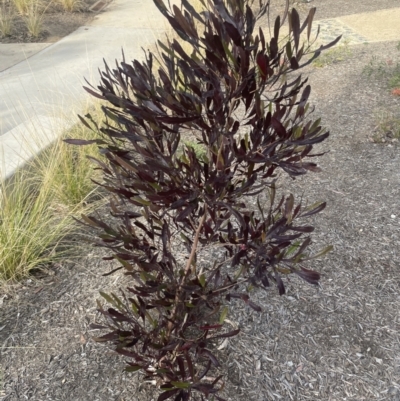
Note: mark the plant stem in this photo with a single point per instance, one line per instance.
(194, 246)
(186, 273)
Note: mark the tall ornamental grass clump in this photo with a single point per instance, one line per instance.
(232, 92)
(31, 226)
(38, 203)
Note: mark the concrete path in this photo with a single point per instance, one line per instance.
(52, 78)
(45, 89)
(376, 26)
(39, 96)
(13, 53)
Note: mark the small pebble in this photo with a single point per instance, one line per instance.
(393, 216)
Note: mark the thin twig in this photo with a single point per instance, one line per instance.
(194, 246)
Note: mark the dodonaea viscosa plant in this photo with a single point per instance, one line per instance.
(231, 92)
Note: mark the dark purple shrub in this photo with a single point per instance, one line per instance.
(231, 93)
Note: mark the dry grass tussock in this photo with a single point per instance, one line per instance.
(5, 21)
(70, 5)
(38, 203)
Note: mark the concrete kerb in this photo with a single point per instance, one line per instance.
(24, 142)
(14, 53)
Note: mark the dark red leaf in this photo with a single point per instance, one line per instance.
(127, 353)
(305, 95)
(211, 327)
(310, 276)
(93, 93)
(279, 128)
(254, 306)
(206, 388)
(309, 21)
(211, 356)
(262, 63)
(317, 209)
(305, 229)
(277, 26)
(112, 271)
(312, 141)
(167, 394)
(204, 372)
(192, 11)
(265, 281)
(233, 33)
(295, 23)
(118, 316)
(217, 379)
(280, 285)
(181, 367)
(81, 142)
(294, 63)
(190, 365)
(226, 335)
(177, 120)
(95, 326)
(329, 45)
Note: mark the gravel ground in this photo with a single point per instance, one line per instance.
(334, 8)
(338, 342)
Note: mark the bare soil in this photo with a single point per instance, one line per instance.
(338, 342)
(56, 23)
